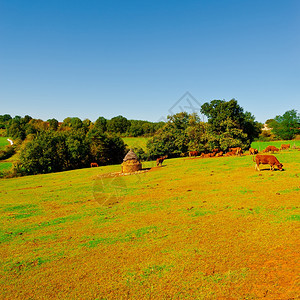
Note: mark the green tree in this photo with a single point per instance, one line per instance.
(53, 124)
(118, 124)
(105, 149)
(229, 122)
(286, 126)
(172, 139)
(101, 124)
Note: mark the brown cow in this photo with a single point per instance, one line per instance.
(230, 153)
(237, 150)
(253, 151)
(271, 149)
(160, 160)
(267, 160)
(219, 154)
(215, 150)
(193, 153)
(93, 164)
(285, 147)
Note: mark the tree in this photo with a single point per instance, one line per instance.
(172, 139)
(118, 124)
(228, 121)
(4, 120)
(101, 124)
(197, 134)
(286, 126)
(105, 149)
(53, 124)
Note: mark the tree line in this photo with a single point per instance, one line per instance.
(228, 126)
(19, 128)
(52, 146)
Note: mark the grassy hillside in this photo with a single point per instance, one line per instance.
(136, 142)
(3, 142)
(193, 229)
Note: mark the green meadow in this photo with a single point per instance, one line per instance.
(263, 145)
(194, 228)
(3, 142)
(136, 142)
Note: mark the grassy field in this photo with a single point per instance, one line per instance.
(263, 145)
(3, 142)
(193, 229)
(5, 165)
(136, 142)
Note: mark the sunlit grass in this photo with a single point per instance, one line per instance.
(193, 229)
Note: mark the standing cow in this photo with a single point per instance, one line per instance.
(160, 160)
(253, 151)
(236, 150)
(193, 153)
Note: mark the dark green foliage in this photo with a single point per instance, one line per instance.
(105, 149)
(7, 152)
(101, 124)
(59, 151)
(17, 127)
(287, 126)
(143, 128)
(53, 124)
(118, 124)
(230, 126)
(172, 139)
(4, 120)
(140, 153)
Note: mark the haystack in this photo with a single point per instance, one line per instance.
(131, 163)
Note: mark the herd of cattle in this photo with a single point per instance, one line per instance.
(237, 151)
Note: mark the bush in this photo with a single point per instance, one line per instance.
(7, 152)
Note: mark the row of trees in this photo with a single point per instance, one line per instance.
(52, 146)
(19, 127)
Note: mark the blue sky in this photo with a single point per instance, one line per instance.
(137, 58)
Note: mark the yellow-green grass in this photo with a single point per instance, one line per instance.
(136, 142)
(5, 165)
(3, 142)
(263, 145)
(193, 229)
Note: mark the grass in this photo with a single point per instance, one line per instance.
(5, 165)
(3, 142)
(136, 142)
(263, 145)
(193, 229)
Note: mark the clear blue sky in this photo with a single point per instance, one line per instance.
(93, 58)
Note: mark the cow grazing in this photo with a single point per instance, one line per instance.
(285, 147)
(160, 160)
(93, 164)
(253, 151)
(193, 153)
(271, 149)
(267, 160)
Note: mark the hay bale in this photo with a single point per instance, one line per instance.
(131, 163)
